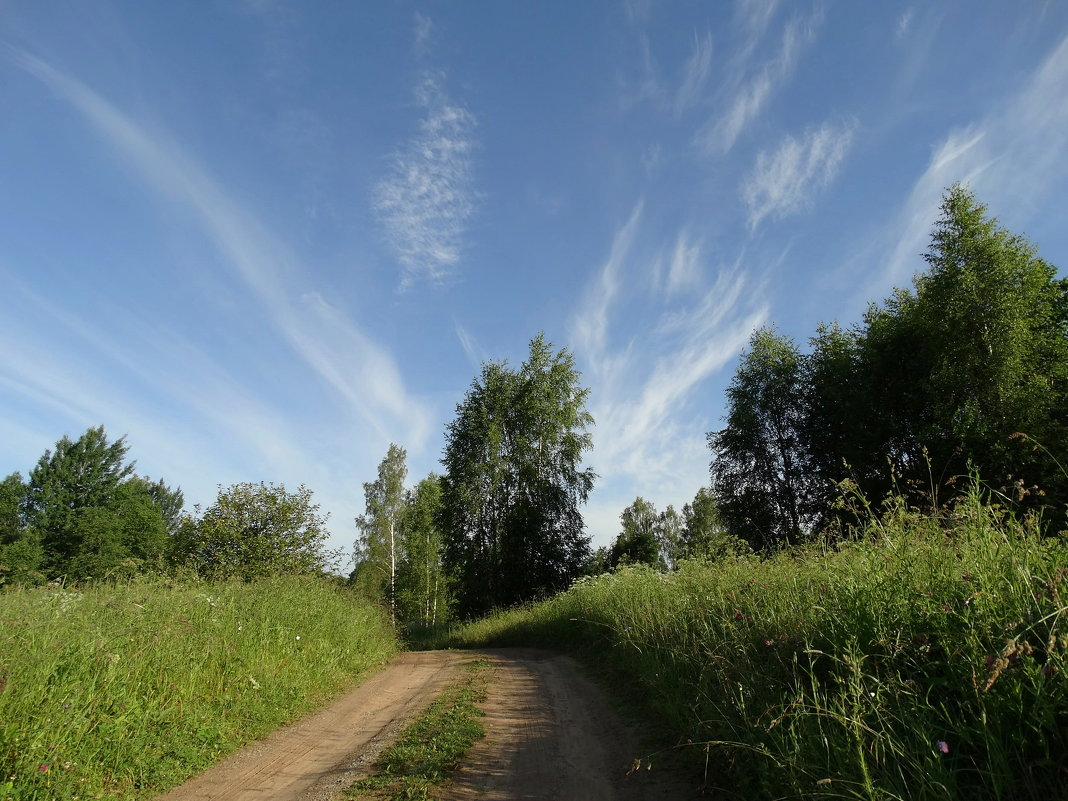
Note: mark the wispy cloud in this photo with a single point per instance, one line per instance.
(342, 356)
(428, 197)
(591, 327)
(423, 28)
(684, 267)
(1011, 158)
(751, 94)
(695, 74)
(784, 181)
(904, 23)
(476, 354)
(648, 438)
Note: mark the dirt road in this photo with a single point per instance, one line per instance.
(550, 736)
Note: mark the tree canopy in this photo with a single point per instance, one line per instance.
(967, 371)
(255, 530)
(83, 514)
(379, 548)
(514, 484)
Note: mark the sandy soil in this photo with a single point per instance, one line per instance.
(316, 757)
(550, 736)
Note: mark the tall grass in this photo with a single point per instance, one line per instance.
(122, 691)
(924, 660)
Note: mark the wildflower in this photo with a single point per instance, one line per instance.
(947, 607)
(298, 637)
(942, 746)
(44, 768)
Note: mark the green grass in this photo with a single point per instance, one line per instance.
(123, 691)
(924, 660)
(425, 756)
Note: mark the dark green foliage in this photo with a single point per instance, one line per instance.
(12, 503)
(76, 476)
(255, 530)
(968, 370)
(513, 483)
(170, 503)
(120, 539)
(83, 515)
(704, 535)
(760, 472)
(640, 541)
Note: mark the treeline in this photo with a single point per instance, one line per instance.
(965, 374)
(83, 514)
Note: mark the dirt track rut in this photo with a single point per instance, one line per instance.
(550, 736)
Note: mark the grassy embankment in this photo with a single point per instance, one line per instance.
(924, 660)
(121, 691)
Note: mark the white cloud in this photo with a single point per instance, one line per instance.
(423, 28)
(684, 271)
(695, 74)
(591, 326)
(426, 201)
(343, 356)
(476, 354)
(649, 440)
(1011, 159)
(754, 16)
(904, 23)
(784, 181)
(750, 96)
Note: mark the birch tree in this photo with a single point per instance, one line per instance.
(379, 547)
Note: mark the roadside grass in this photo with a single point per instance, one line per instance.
(924, 659)
(427, 753)
(125, 691)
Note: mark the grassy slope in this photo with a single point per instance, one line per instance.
(924, 661)
(121, 691)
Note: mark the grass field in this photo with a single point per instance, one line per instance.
(121, 691)
(922, 660)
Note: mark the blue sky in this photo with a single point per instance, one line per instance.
(265, 239)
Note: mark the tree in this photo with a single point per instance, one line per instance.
(669, 533)
(423, 588)
(704, 535)
(513, 483)
(21, 554)
(170, 502)
(639, 542)
(77, 475)
(760, 471)
(12, 503)
(940, 379)
(86, 516)
(994, 317)
(378, 550)
(254, 530)
(123, 538)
